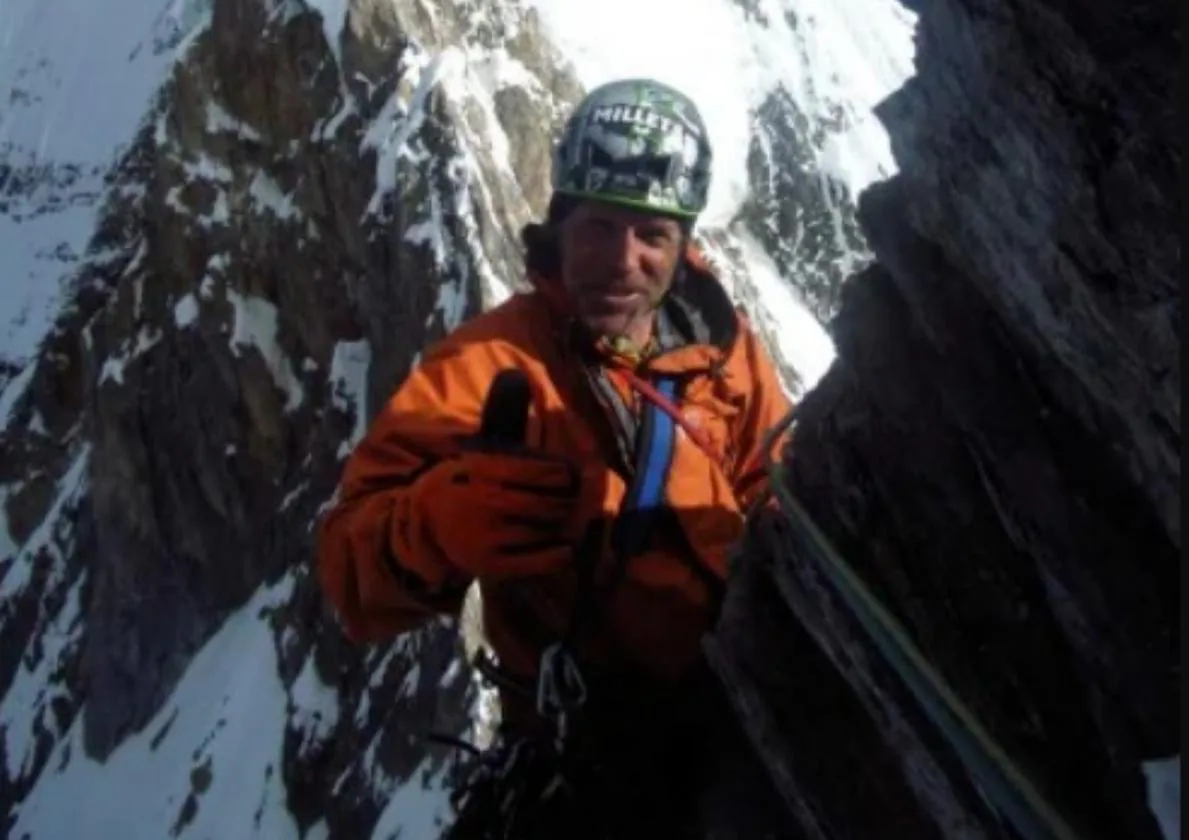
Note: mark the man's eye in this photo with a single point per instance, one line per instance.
(597, 226)
(654, 236)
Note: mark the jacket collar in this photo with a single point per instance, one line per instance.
(696, 325)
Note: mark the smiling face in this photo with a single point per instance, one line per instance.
(617, 264)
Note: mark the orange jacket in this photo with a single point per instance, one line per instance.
(653, 619)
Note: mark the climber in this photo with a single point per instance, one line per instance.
(585, 451)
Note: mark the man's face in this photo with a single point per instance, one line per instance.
(617, 264)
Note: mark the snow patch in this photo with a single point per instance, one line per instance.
(267, 194)
(173, 200)
(206, 168)
(215, 265)
(215, 746)
(348, 381)
(255, 325)
(218, 121)
(389, 133)
(316, 704)
(452, 297)
(293, 495)
(220, 214)
(452, 301)
(27, 706)
(42, 241)
(418, 808)
(801, 342)
(334, 18)
(478, 81)
(331, 128)
(42, 544)
(429, 232)
(147, 337)
(113, 370)
(14, 390)
(411, 682)
(37, 424)
(386, 658)
(1164, 794)
(185, 311)
(496, 69)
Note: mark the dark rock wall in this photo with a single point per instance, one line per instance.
(997, 447)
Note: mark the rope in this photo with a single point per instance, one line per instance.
(1005, 785)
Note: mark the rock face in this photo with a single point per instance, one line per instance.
(317, 191)
(996, 448)
(311, 201)
(216, 446)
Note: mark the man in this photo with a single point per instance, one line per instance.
(597, 527)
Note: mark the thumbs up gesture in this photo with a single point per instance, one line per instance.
(500, 509)
(504, 422)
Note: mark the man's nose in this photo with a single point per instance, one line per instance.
(624, 249)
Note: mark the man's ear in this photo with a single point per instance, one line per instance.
(694, 258)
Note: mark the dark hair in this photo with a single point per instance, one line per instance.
(541, 254)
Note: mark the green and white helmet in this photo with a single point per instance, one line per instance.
(638, 143)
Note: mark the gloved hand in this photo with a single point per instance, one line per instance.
(498, 509)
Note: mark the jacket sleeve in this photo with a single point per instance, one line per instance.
(766, 406)
(376, 594)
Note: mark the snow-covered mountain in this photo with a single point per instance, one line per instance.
(227, 227)
(227, 230)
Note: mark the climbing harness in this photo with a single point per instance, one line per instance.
(494, 803)
(1004, 784)
(561, 688)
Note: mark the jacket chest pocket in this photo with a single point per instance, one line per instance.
(713, 418)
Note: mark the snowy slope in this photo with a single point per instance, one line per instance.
(76, 79)
(209, 765)
(218, 739)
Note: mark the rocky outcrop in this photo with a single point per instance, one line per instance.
(284, 284)
(311, 201)
(318, 191)
(804, 217)
(996, 449)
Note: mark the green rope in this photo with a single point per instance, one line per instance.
(1009, 790)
